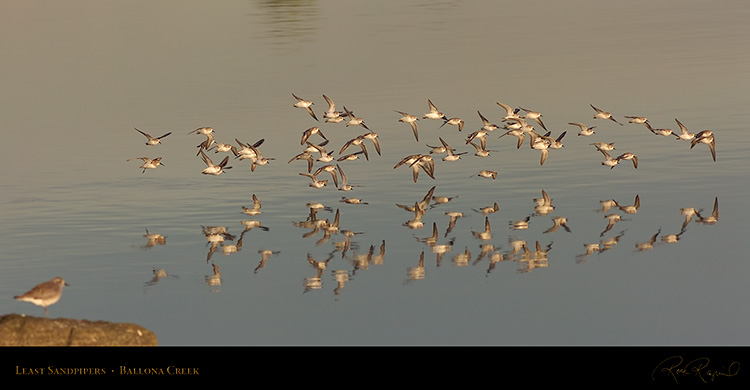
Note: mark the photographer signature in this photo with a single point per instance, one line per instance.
(674, 368)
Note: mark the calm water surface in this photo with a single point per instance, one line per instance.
(79, 76)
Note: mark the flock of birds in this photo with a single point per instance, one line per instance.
(324, 167)
(517, 122)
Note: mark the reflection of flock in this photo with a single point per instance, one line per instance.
(530, 256)
(527, 255)
(218, 239)
(609, 243)
(516, 122)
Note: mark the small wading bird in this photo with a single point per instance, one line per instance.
(661, 132)
(705, 137)
(44, 294)
(481, 135)
(353, 120)
(555, 143)
(684, 134)
(480, 150)
(306, 104)
(608, 160)
(315, 182)
(510, 112)
(612, 162)
(641, 120)
(604, 115)
(604, 146)
(356, 141)
(203, 130)
(152, 140)
(449, 154)
(345, 186)
(417, 161)
(247, 151)
(206, 144)
(539, 143)
(412, 121)
(537, 116)
(330, 169)
(214, 169)
(434, 113)
(629, 156)
(373, 136)
(454, 122)
(222, 148)
(148, 163)
(518, 133)
(486, 124)
(332, 116)
(324, 155)
(311, 131)
(305, 155)
(585, 130)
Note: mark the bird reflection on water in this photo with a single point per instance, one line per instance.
(153, 239)
(158, 274)
(528, 254)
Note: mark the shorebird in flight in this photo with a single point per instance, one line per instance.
(705, 137)
(152, 140)
(306, 104)
(148, 163)
(434, 112)
(412, 121)
(604, 115)
(214, 169)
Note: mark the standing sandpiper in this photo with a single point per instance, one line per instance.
(44, 294)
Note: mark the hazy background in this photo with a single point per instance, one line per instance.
(77, 76)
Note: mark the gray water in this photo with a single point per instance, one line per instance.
(78, 76)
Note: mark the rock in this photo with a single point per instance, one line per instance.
(19, 330)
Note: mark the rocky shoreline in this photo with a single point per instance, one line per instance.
(20, 330)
